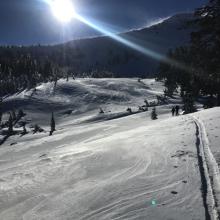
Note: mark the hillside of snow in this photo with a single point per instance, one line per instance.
(113, 165)
(84, 97)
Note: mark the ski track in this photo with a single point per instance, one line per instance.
(109, 169)
(211, 172)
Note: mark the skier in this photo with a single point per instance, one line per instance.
(173, 111)
(177, 110)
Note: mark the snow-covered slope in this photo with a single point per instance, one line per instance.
(127, 168)
(106, 54)
(84, 97)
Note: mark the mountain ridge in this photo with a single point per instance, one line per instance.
(110, 55)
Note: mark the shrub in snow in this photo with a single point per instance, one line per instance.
(37, 129)
(24, 128)
(129, 110)
(210, 102)
(20, 114)
(141, 108)
(146, 103)
(101, 111)
(161, 100)
(152, 104)
(154, 114)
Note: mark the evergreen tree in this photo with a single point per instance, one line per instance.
(52, 124)
(154, 114)
(0, 117)
(1, 113)
(10, 124)
(13, 114)
(205, 48)
(188, 104)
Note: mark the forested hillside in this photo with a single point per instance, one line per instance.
(24, 67)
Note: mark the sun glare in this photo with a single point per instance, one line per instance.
(63, 10)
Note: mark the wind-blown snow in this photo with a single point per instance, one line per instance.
(156, 21)
(103, 169)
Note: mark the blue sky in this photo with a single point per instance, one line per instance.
(31, 21)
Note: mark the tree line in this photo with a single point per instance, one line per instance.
(196, 70)
(24, 72)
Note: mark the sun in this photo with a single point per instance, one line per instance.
(63, 10)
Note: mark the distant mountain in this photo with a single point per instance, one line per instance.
(104, 53)
(101, 55)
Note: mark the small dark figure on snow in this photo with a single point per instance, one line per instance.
(173, 111)
(177, 108)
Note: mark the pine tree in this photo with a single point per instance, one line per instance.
(52, 124)
(0, 117)
(1, 113)
(188, 104)
(13, 114)
(205, 48)
(154, 114)
(10, 124)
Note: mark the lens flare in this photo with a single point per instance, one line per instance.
(63, 10)
(131, 44)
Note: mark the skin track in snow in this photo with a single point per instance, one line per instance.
(209, 172)
(204, 184)
(97, 168)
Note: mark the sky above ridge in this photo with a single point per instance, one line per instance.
(26, 22)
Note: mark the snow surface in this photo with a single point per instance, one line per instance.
(114, 166)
